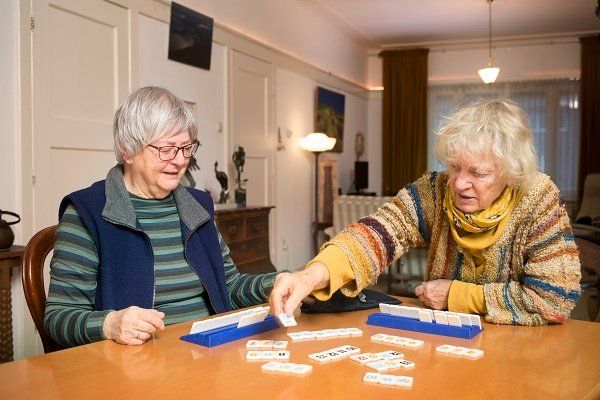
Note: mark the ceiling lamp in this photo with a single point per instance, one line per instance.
(489, 74)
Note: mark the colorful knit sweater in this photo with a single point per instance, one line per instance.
(536, 276)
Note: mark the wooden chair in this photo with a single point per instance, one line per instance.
(35, 254)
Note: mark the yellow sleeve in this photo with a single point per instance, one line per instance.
(340, 271)
(466, 298)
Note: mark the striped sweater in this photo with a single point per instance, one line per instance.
(70, 319)
(536, 276)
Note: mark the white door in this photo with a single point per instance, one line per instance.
(252, 126)
(252, 113)
(80, 74)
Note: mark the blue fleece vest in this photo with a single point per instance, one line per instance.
(126, 269)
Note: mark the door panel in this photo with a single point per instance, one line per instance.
(80, 73)
(253, 127)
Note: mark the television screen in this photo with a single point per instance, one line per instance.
(361, 175)
(190, 37)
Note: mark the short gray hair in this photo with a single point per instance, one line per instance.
(149, 114)
(494, 128)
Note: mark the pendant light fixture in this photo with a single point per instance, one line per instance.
(489, 74)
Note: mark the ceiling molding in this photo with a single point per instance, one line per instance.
(507, 41)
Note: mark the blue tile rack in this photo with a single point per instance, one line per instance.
(229, 333)
(410, 324)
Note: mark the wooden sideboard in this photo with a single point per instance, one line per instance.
(246, 232)
(9, 259)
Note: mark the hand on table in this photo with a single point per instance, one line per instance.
(292, 288)
(434, 294)
(132, 325)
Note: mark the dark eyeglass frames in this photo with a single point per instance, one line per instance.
(168, 153)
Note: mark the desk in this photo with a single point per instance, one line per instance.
(9, 259)
(560, 362)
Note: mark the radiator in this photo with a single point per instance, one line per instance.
(349, 209)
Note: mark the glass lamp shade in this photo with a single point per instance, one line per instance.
(489, 74)
(317, 142)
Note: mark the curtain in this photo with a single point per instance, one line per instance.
(404, 119)
(552, 108)
(589, 161)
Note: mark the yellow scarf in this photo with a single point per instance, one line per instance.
(477, 231)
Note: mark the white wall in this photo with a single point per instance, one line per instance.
(10, 147)
(295, 170)
(204, 88)
(294, 28)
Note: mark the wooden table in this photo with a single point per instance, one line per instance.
(554, 362)
(9, 259)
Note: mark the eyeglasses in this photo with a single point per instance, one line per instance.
(168, 153)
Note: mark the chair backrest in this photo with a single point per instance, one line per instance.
(590, 202)
(35, 254)
(589, 256)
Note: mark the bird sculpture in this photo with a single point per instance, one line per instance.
(223, 181)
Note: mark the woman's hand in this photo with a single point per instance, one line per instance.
(434, 294)
(291, 288)
(132, 325)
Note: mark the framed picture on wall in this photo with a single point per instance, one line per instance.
(330, 116)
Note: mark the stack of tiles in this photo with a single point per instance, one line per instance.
(397, 340)
(259, 350)
(388, 380)
(287, 368)
(324, 334)
(240, 318)
(465, 352)
(383, 361)
(334, 354)
(434, 316)
(266, 344)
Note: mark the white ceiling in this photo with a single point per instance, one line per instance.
(398, 23)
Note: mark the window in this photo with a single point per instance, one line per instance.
(552, 108)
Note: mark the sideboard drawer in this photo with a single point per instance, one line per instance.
(246, 231)
(257, 226)
(250, 250)
(232, 230)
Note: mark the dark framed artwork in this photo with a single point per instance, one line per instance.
(190, 37)
(330, 116)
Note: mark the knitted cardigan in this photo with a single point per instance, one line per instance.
(536, 276)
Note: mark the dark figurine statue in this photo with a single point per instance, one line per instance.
(239, 159)
(223, 181)
(192, 166)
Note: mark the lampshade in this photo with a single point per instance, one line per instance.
(489, 74)
(317, 142)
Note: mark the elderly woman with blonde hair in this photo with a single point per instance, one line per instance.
(137, 251)
(499, 238)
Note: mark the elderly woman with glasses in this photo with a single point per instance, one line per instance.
(499, 238)
(138, 251)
